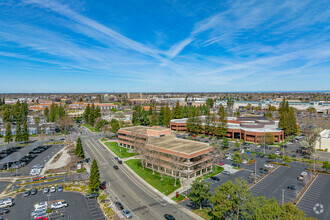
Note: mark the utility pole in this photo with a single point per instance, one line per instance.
(314, 164)
(283, 196)
(255, 172)
(264, 142)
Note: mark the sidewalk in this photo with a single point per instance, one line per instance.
(152, 189)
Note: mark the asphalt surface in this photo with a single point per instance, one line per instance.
(79, 207)
(316, 202)
(142, 201)
(3, 185)
(279, 180)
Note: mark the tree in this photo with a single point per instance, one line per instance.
(25, 133)
(79, 150)
(210, 102)
(268, 138)
(225, 143)
(114, 125)
(86, 114)
(167, 116)
(94, 178)
(311, 136)
(18, 136)
(161, 115)
(238, 144)
(8, 135)
(37, 122)
(230, 199)
(92, 115)
(237, 158)
(222, 125)
(65, 123)
(287, 118)
(311, 110)
(200, 191)
(52, 114)
(46, 113)
(6, 115)
(178, 112)
(154, 118)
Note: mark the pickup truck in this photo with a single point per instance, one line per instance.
(58, 205)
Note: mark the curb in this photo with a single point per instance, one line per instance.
(263, 177)
(151, 188)
(304, 191)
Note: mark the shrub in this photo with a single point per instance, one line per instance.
(48, 211)
(326, 165)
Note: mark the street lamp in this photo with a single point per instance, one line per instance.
(283, 196)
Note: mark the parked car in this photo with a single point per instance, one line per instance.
(216, 178)
(127, 214)
(169, 217)
(58, 205)
(4, 211)
(245, 162)
(292, 187)
(116, 158)
(41, 218)
(115, 167)
(304, 173)
(38, 166)
(226, 172)
(39, 212)
(119, 205)
(269, 165)
(92, 196)
(46, 190)
(300, 177)
(60, 188)
(26, 193)
(6, 203)
(41, 205)
(38, 178)
(52, 189)
(103, 185)
(34, 191)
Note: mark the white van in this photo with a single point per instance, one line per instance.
(5, 203)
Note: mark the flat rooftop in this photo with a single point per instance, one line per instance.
(136, 129)
(178, 145)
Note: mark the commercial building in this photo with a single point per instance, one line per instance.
(163, 152)
(251, 129)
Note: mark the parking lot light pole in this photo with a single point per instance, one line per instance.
(283, 196)
(255, 171)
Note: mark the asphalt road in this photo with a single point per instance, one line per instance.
(3, 185)
(316, 202)
(79, 207)
(142, 201)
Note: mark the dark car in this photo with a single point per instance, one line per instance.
(292, 187)
(216, 178)
(266, 147)
(103, 185)
(92, 196)
(169, 217)
(26, 193)
(120, 162)
(4, 211)
(226, 172)
(262, 156)
(119, 206)
(34, 191)
(293, 155)
(115, 167)
(116, 158)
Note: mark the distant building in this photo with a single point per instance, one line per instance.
(166, 153)
(251, 129)
(324, 141)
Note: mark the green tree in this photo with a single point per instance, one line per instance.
(25, 133)
(177, 111)
(161, 115)
(52, 114)
(154, 118)
(46, 113)
(6, 115)
(210, 102)
(86, 114)
(114, 125)
(238, 144)
(79, 150)
(287, 118)
(8, 135)
(94, 177)
(200, 191)
(167, 115)
(222, 125)
(237, 157)
(225, 143)
(18, 136)
(91, 118)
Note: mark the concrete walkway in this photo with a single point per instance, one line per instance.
(61, 162)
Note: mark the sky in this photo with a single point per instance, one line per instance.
(164, 45)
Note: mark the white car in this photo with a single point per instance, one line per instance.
(58, 205)
(52, 189)
(277, 153)
(38, 212)
(41, 205)
(245, 161)
(268, 165)
(229, 158)
(304, 173)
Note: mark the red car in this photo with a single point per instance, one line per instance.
(222, 163)
(38, 178)
(103, 185)
(42, 218)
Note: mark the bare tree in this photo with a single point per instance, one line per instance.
(64, 123)
(177, 166)
(311, 136)
(140, 145)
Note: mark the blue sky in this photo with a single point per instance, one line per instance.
(164, 45)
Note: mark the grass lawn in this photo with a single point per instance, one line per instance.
(113, 146)
(104, 139)
(165, 186)
(91, 128)
(217, 170)
(204, 213)
(181, 197)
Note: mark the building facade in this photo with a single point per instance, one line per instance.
(251, 129)
(163, 152)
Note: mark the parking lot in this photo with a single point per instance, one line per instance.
(315, 202)
(272, 185)
(78, 206)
